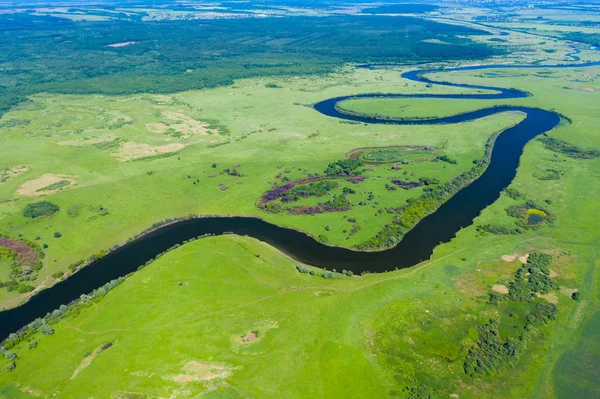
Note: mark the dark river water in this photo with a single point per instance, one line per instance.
(416, 246)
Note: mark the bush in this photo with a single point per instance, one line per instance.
(57, 234)
(33, 345)
(10, 355)
(43, 208)
(302, 269)
(575, 295)
(46, 329)
(10, 366)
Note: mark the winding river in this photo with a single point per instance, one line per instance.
(416, 246)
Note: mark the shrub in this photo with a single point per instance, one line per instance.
(46, 329)
(57, 234)
(575, 295)
(42, 208)
(33, 345)
(10, 355)
(10, 366)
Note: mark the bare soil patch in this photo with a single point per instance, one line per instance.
(523, 259)
(130, 151)
(509, 258)
(195, 371)
(48, 183)
(500, 288)
(185, 126)
(250, 337)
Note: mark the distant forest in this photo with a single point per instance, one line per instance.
(57, 55)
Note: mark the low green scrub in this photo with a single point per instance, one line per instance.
(491, 355)
(42, 208)
(569, 150)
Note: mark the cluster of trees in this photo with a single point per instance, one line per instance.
(569, 150)
(513, 193)
(168, 56)
(26, 260)
(493, 229)
(532, 278)
(490, 354)
(314, 189)
(345, 167)
(42, 208)
(446, 158)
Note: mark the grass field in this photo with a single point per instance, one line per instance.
(252, 325)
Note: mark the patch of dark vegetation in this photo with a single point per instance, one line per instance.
(233, 172)
(491, 355)
(512, 193)
(564, 148)
(314, 186)
(42, 208)
(446, 158)
(492, 229)
(26, 261)
(549, 174)
(407, 185)
(315, 189)
(169, 56)
(344, 167)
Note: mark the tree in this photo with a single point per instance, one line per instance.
(575, 295)
(46, 329)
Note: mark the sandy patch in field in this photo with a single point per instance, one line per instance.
(183, 124)
(88, 142)
(8, 173)
(36, 187)
(131, 151)
(195, 371)
(500, 288)
(88, 359)
(523, 259)
(552, 273)
(122, 44)
(551, 297)
(249, 337)
(509, 258)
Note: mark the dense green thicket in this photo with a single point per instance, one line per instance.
(315, 189)
(42, 208)
(569, 150)
(491, 354)
(344, 167)
(169, 56)
(592, 39)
